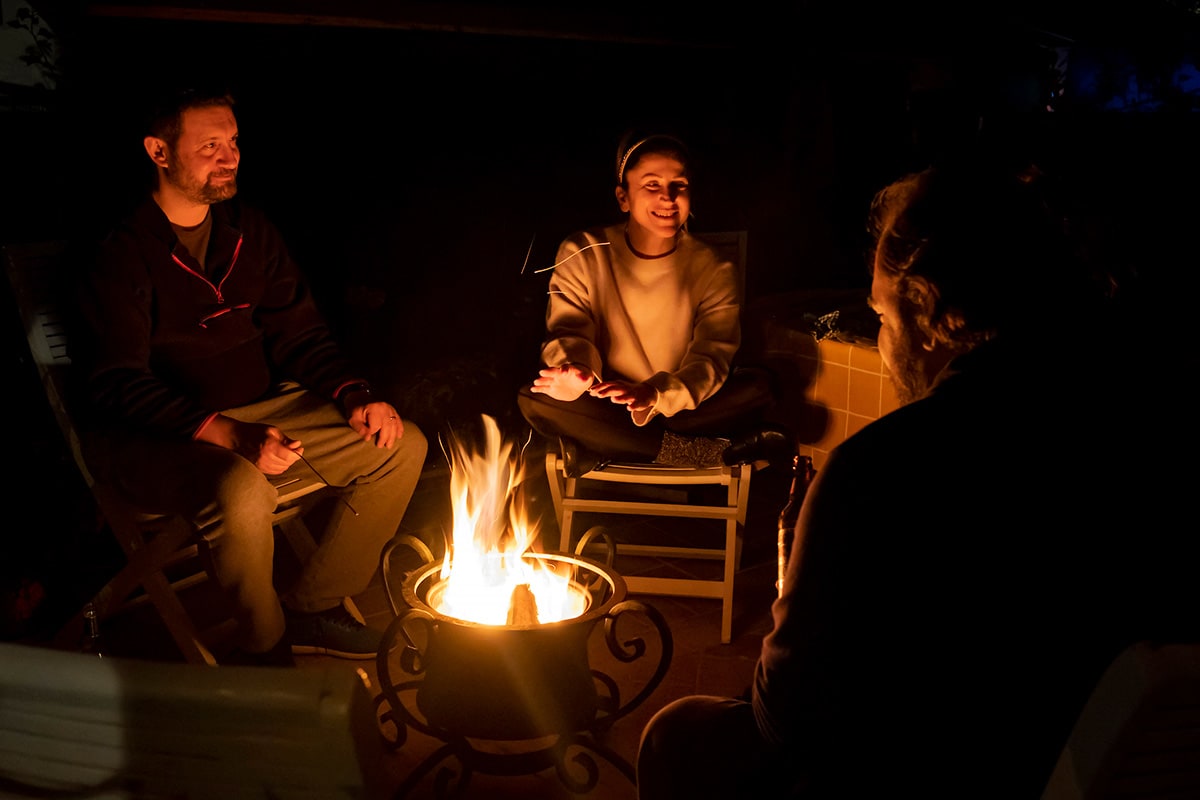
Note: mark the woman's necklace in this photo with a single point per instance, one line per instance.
(640, 254)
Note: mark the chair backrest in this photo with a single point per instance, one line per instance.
(35, 272)
(730, 245)
(80, 726)
(1138, 736)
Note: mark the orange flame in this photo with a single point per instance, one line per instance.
(489, 556)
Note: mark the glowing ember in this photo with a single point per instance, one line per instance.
(489, 574)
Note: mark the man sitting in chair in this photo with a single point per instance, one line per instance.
(643, 323)
(207, 368)
(967, 566)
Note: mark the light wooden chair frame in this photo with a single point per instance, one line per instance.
(569, 498)
(154, 544)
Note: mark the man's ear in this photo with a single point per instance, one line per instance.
(622, 199)
(156, 148)
(937, 322)
(921, 294)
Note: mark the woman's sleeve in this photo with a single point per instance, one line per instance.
(570, 320)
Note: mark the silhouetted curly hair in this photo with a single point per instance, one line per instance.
(986, 242)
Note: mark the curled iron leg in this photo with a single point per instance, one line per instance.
(632, 649)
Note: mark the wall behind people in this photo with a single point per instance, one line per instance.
(424, 177)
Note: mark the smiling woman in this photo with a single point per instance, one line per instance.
(643, 323)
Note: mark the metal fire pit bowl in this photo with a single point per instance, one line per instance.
(467, 682)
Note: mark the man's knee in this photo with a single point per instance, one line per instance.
(675, 724)
(695, 744)
(415, 439)
(408, 453)
(390, 470)
(241, 488)
(356, 459)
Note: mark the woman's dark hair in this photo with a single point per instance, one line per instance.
(635, 145)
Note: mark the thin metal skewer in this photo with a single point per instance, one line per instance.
(321, 478)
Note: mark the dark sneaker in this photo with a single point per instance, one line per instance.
(769, 443)
(577, 459)
(331, 633)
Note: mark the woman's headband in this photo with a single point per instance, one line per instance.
(624, 159)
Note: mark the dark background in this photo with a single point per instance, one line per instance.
(416, 155)
(423, 160)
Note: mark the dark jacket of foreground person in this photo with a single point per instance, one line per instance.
(967, 566)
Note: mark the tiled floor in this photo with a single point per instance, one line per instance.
(699, 664)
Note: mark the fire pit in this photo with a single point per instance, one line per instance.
(473, 685)
(490, 650)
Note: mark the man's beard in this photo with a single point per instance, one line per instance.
(907, 369)
(203, 193)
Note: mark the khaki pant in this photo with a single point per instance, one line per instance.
(231, 503)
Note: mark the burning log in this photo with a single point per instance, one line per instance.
(522, 606)
(489, 570)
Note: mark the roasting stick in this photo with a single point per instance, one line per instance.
(321, 478)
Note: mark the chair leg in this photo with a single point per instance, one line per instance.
(177, 620)
(554, 476)
(142, 570)
(564, 526)
(559, 485)
(732, 552)
(145, 561)
(743, 497)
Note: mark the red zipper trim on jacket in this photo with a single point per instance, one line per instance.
(191, 271)
(222, 312)
(232, 263)
(215, 287)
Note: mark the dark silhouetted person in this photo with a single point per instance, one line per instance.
(966, 566)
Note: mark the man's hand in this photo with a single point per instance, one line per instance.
(565, 383)
(371, 418)
(637, 396)
(264, 446)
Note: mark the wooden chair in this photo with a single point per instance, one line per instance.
(155, 545)
(1138, 736)
(673, 499)
(73, 725)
